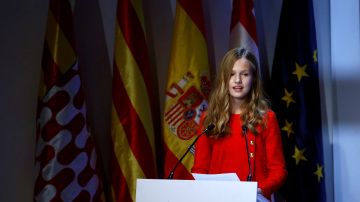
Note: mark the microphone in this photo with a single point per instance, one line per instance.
(207, 129)
(244, 130)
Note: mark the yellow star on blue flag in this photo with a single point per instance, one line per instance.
(288, 98)
(288, 128)
(319, 172)
(300, 71)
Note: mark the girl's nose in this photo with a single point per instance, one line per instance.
(238, 78)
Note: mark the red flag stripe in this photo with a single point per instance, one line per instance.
(173, 112)
(176, 121)
(171, 161)
(133, 127)
(246, 16)
(172, 108)
(195, 10)
(135, 39)
(117, 179)
(177, 115)
(49, 67)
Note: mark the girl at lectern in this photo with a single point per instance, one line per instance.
(246, 139)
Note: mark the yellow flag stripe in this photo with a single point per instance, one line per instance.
(60, 48)
(135, 85)
(191, 55)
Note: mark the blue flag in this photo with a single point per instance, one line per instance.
(295, 96)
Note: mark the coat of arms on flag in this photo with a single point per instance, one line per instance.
(184, 115)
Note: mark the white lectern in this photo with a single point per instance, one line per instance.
(157, 190)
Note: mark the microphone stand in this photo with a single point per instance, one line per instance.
(171, 175)
(244, 129)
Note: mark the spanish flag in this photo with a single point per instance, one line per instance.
(188, 86)
(133, 142)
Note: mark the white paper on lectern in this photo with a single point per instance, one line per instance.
(148, 190)
(225, 177)
(219, 177)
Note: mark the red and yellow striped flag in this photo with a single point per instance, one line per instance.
(66, 160)
(133, 154)
(243, 26)
(188, 86)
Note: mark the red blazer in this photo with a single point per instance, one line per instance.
(228, 154)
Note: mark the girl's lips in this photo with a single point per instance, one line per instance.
(237, 89)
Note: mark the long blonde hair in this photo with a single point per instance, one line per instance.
(219, 109)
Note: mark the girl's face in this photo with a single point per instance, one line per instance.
(241, 80)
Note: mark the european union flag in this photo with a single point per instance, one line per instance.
(296, 100)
